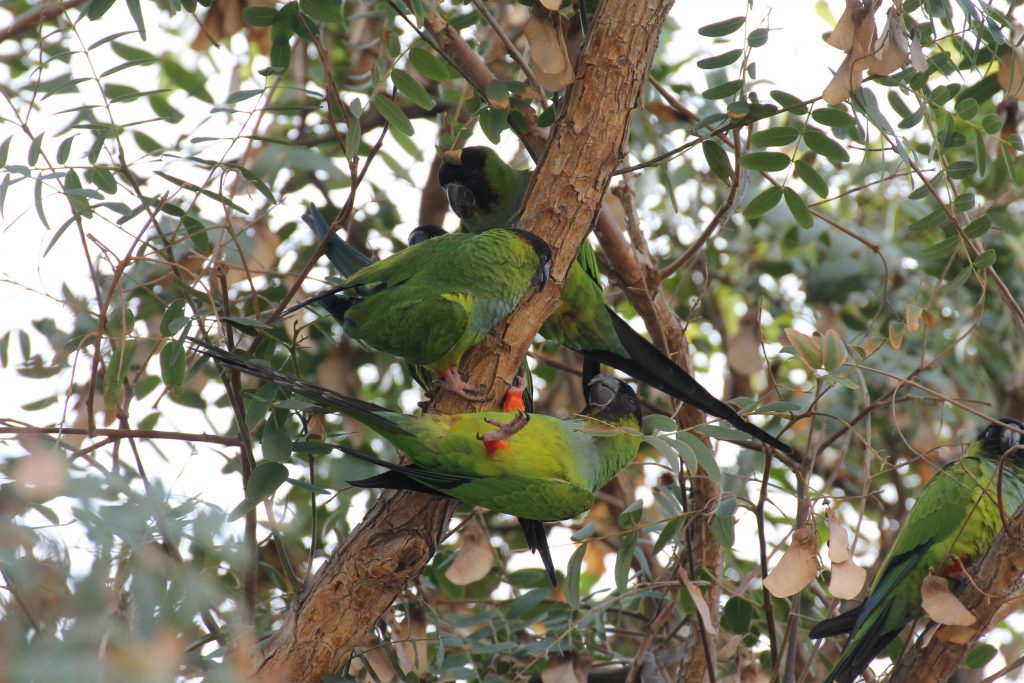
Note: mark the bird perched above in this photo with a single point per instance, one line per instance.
(431, 302)
(953, 522)
(537, 468)
(486, 193)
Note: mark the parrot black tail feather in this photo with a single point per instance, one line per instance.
(342, 255)
(649, 365)
(841, 623)
(336, 305)
(370, 414)
(537, 541)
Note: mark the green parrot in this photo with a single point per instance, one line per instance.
(486, 193)
(348, 260)
(537, 468)
(953, 522)
(431, 302)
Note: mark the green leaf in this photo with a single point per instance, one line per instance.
(493, 122)
(265, 480)
(806, 173)
(720, 92)
(765, 161)
(34, 149)
(979, 226)
(801, 214)
(757, 37)
(585, 533)
(737, 615)
(97, 8)
(940, 249)
(789, 102)
(979, 656)
(985, 259)
(322, 10)
(834, 118)
(572, 576)
(192, 82)
(623, 561)
(780, 136)
(5, 149)
(658, 422)
(259, 16)
(718, 61)
(392, 114)
(834, 352)
(172, 365)
(718, 159)
(722, 28)
(64, 151)
(668, 533)
(631, 516)
(411, 88)
(822, 144)
(429, 65)
(135, 9)
(961, 169)
(277, 443)
(723, 524)
(763, 203)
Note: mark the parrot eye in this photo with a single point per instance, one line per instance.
(1010, 439)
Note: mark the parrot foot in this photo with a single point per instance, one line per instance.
(453, 382)
(513, 401)
(496, 439)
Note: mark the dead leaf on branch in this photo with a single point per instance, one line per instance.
(942, 606)
(475, 556)
(548, 56)
(797, 568)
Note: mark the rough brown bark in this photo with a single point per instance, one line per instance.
(398, 536)
(996, 588)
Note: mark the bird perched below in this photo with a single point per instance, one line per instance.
(486, 193)
(535, 467)
(953, 522)
(431, 302)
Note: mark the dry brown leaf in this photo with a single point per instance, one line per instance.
(571, 668)
(842, 34)
(941, 605)
(797, 568)
(847, 580)
(894, 50)
(729, 648)
(379, 663)
(808, 348)
(553, 5)
(548, 55)
(917, 58)
(698, 601)
(410, 638)
(744, 347)
(474, 559)
(1011, 72)
(863, 51)
(838, 538)
(42, 474)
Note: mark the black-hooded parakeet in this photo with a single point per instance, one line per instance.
(953, 522)
(535, 467)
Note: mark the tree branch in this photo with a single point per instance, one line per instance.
(399, 534)
(34, 17)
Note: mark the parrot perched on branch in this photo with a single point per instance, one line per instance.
(431, 302)
(535, 467)
(486, 193)
(953, 523)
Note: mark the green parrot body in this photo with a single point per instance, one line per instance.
(430, 303)
(953, 522)
(487, 193)
(548, 470)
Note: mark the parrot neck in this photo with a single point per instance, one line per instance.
(615, 452)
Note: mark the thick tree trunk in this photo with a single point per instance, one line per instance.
(399, 535)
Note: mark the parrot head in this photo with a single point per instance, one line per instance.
(424, 233)
(464, 178)
(610, 400)
(998, 438)
(543, 251)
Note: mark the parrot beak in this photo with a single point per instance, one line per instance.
(460, 198)
(452, 156)
(602, 389)
(545, 274)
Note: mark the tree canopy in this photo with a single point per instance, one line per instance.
(842, 265)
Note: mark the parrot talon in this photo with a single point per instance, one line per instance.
(505, 430)
(452, 381)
